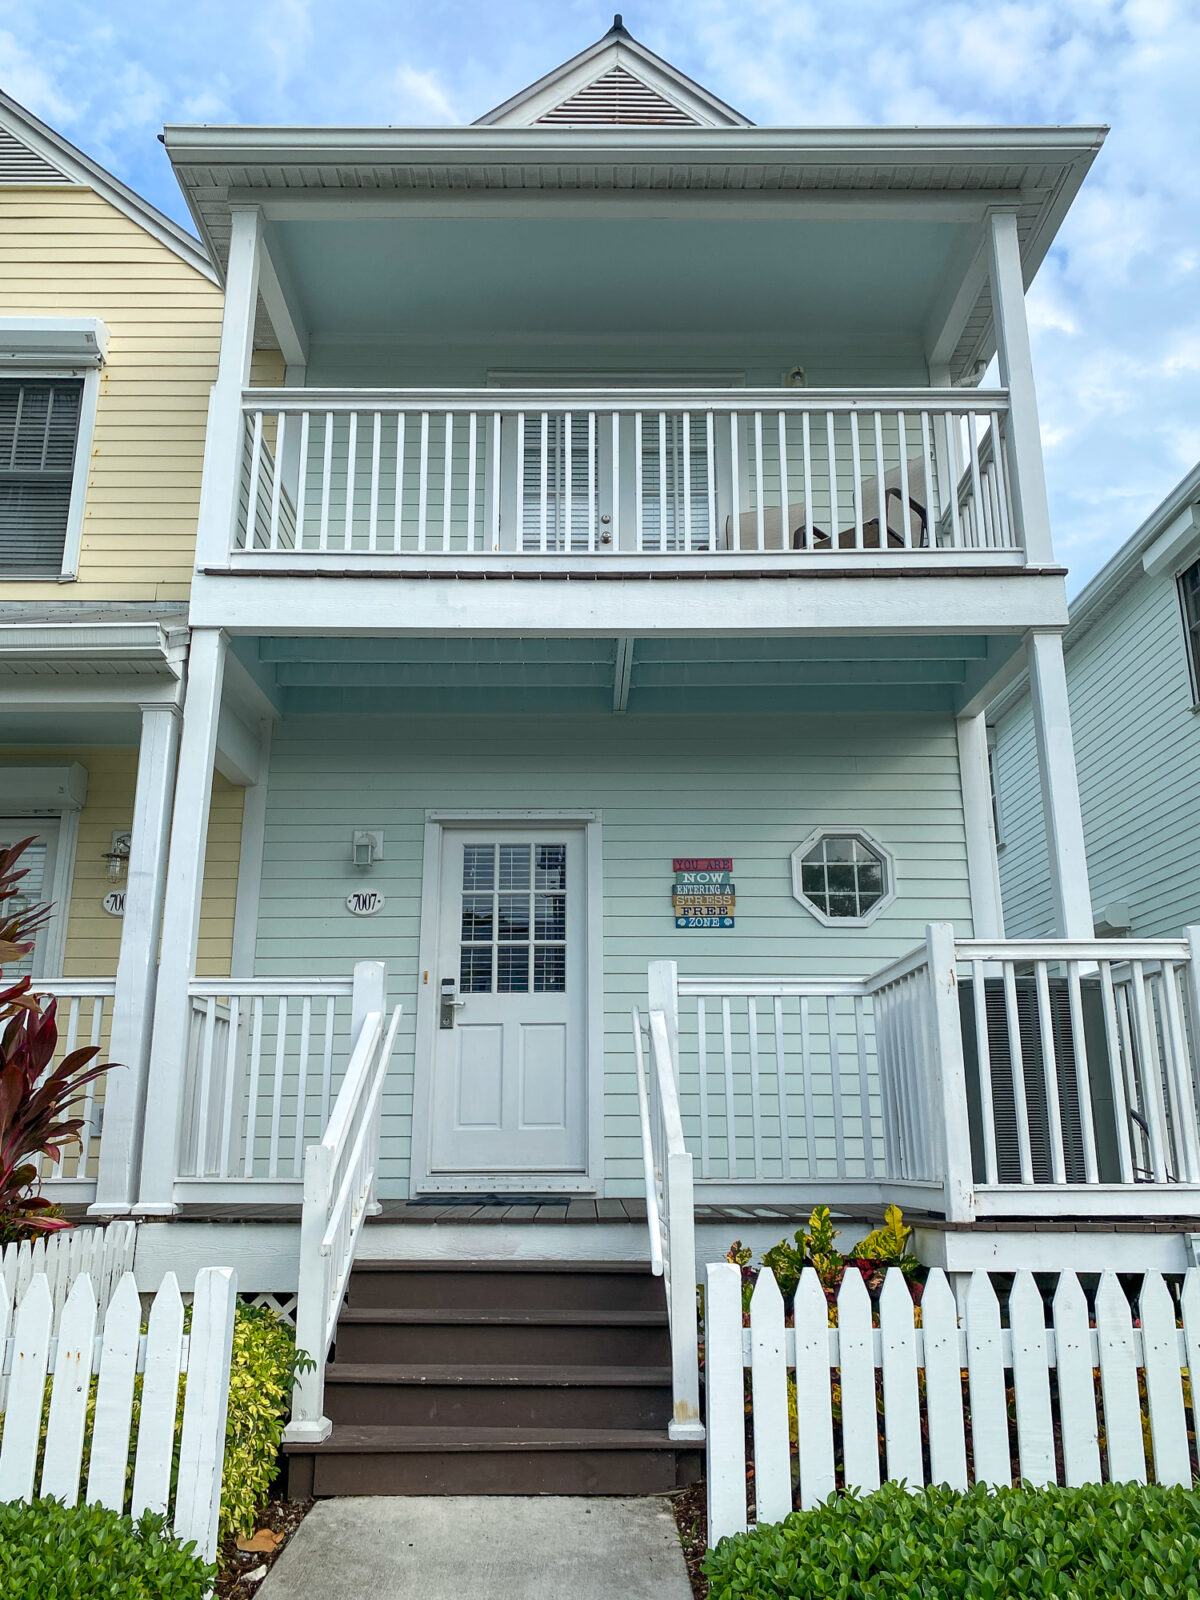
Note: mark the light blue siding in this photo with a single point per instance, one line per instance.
(751, 787)
(1137, 746)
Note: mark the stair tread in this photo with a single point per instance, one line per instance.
(387, 1439)
(362, 1264)
(507, 1317)
(470, 1376)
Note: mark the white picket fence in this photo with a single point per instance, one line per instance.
(104, 1254)
(33, 1354)
(942, 1404)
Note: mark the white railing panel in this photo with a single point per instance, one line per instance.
(901, 1382)
(1081, 1061)
(59, 1369)
(84, 1015)
(780, 1082)
(263, 1069)
(390, 473)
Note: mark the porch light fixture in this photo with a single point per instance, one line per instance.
(365, 848)
(117, 856)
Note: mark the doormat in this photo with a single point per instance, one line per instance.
(488, 1200)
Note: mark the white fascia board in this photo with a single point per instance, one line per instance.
(749, 606)
(81, 169)
(1175, 546)
(240, 145)
(52, 342)
(79, 641)
(44, 788)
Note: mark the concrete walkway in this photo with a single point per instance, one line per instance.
(451, 1547)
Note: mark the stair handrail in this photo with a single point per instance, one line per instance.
(339, 1193)
(651, 1165)
(670, 1197)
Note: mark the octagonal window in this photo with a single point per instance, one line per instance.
(843, 877)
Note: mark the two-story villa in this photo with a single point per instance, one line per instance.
(606, 605)
(110, 320)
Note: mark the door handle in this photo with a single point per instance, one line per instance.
(449, 1004)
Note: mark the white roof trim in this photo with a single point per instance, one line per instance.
(617, 48)
(36, 788)
(52, 342)
(73, 164)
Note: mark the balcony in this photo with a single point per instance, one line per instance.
(685, 481)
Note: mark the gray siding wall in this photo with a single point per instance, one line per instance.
(1137, 746)
(753, 787)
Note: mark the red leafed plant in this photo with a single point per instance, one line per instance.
(36, 1098)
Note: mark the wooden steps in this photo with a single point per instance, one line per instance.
(486, 1377)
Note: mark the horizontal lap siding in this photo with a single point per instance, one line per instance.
(66, 252)
(752, 787)
(1137, 748)
(93, 937)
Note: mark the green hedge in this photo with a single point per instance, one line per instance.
(50, 1552)
(1104, 1542)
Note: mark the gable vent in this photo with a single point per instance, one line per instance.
(20, 164)
(617, 97)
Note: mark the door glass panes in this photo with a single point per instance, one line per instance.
(514, 919)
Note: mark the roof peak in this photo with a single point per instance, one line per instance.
(583, 92)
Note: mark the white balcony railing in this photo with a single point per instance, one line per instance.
(1003, 1078)
(84, 1017)
(361, 477)
(265, 1058)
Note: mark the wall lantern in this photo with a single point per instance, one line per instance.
(117, 856)
(366, 848)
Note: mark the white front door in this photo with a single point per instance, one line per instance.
(510, 1059)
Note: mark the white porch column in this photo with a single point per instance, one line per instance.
(1026, 469)
(983, 865)
(221, 482)
(181, 922)
(137, 963)
(1060, 786)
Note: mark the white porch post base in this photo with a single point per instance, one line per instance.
(313, 1431)
(181, 925)
(137, 964)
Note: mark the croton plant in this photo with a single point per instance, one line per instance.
(38, 1098)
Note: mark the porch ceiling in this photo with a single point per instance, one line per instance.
(483, 278)
(686, 675)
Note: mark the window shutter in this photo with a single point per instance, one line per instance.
(39, 426)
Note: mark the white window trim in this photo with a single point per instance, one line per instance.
(1192, 654)
(60, 347)
(843, 830)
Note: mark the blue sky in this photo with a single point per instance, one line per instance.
(1115, 309)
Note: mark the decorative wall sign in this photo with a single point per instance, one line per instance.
(365, 902)
(703, 894)
(114, 902)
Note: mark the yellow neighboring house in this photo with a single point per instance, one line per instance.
(110, 319)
